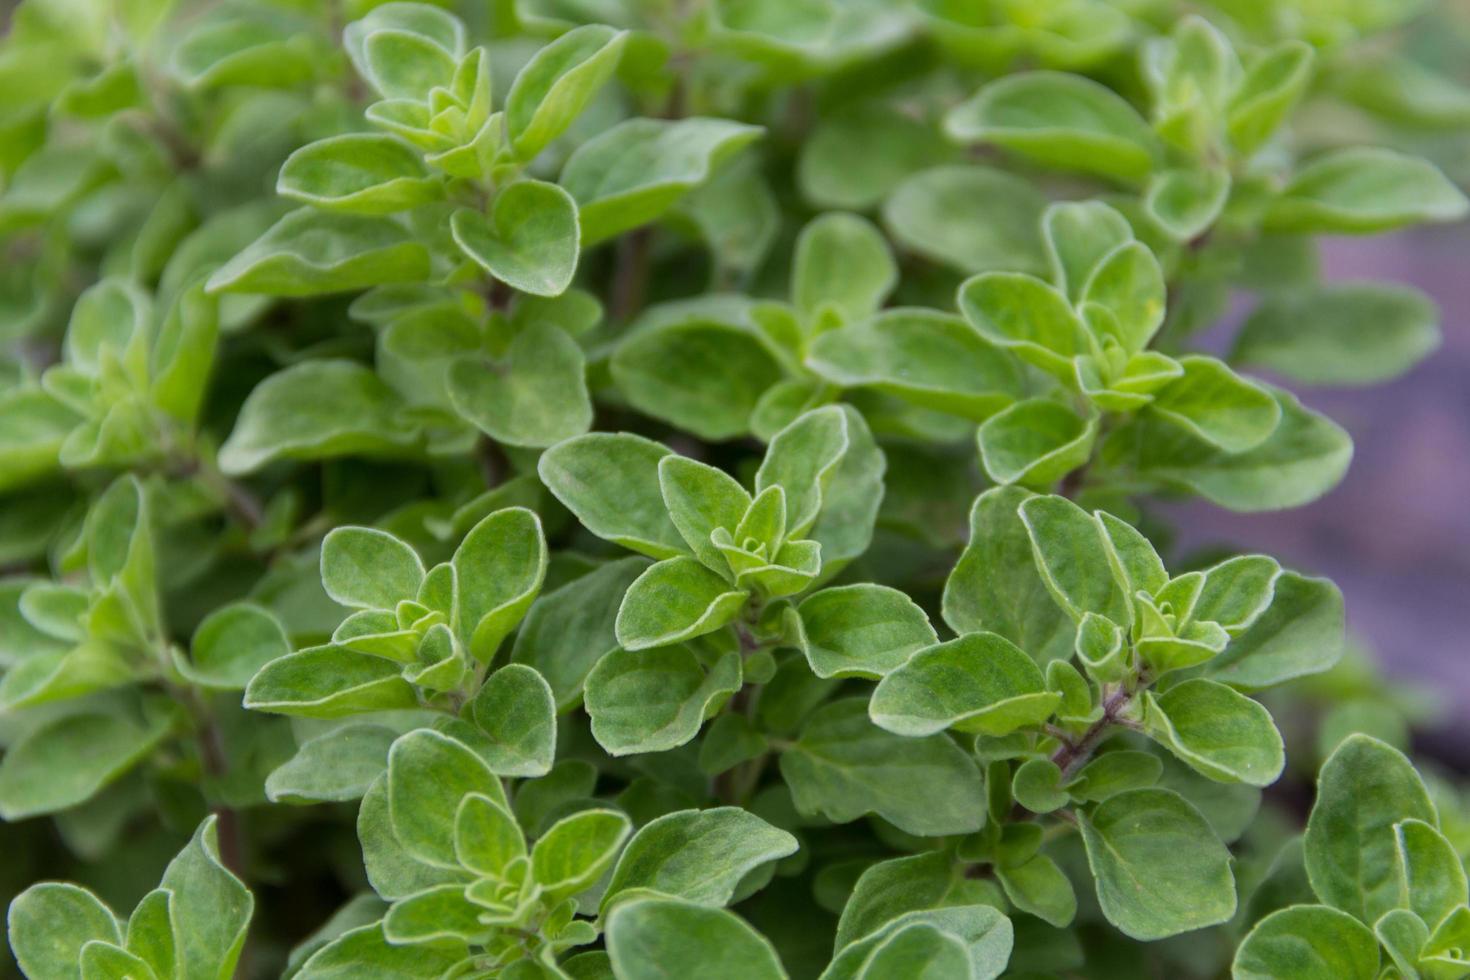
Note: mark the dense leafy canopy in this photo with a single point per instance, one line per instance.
(634, 489)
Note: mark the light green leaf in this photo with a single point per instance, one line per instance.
(675, 600)
(1160, 869)
(392, 871)
(231, 645)
(365, 568)
(844, 766)
(1432, 875)
(516, 709)
(1443, 957)
(1078, 236)
(1062, 120)
(978, 683)
(535, 397)
(969, 218)
(1114, 772)
(890, 888)
(650, 938)
(1351, 847)
(1035, 442)
(530, 239)
(317, 410)
(1267, 94)
(569, 630)
(428, 775)
(365, 951)
(1341, 333)
(632, 173)
(1128, 284)
(557, 83)
(697, 373)
(442, 914)
(576, 850)
(931, 359)
(104, 961)
(842, 263)
(1304, 457)
(360, 172)
(996, 586)
(1071, 555)
(801, 460)
(861, 630)
(339, 764)
(1185, 202)
(1029, 318)
(610, 482)
(210, 908)
(1039, 888)
(486, 837)
(68, 760)
(1216, 731)
(1037, 786)
(1301, 632)
(984, 931)
(1403, 934)
(699, 856)
(51, 922)
(1361, 190)
(656, 699)
(701, 499)
(328, 682)
(1307, 942)
(857, 154)
(1217, 405)
(500, 565)
(309, 252)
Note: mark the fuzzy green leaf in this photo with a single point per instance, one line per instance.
(530, 239)
(610, 482)
(1307, 942)
(535, 396)
(1360, 190)
(1216, 731)
(650, 938)
(861, 630)
(699, 856)
(557, 83)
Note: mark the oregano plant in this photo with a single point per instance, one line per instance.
(535, 489)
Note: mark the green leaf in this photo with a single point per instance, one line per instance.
(1113, 772)
(1129, 285)
(569, 630)
(51, 922)
(428, 775)
(359, 172)
(1217, 732)
(516, 709)
(1361, 190)
(486, 837)
(1307, 942)
(931, 359)
(918, 950)
(1432, 875)
(336, 765)
(697, 373)
(701, 499)
(392, 871)
(500, 564)
(675, 600)
(996, 586)
(1443, 957)
(1341, 333)
(610, 482)
(890, 888)
(978, 683)
(1029, 318)
(365, 951)
(1078, 236)
(1267, 94)
(1185, 202)
(1037, 786)
(801, 460)
(1061, 120)
(66, 761)
(1160, 869)
(1217, 405)
(1351, 847)
(699, 856)
(535, 397)
(632, 173)
(430, 23)
(530, 239)
(1403, 934)
(861, 630)
(844, 766)
(984, 931)
(1071, 554)
(317, 410)
(108, 962)
(557, 83)
(210, 908)
(1035, 442)
(1039, 888)
(365, 568)
(231, 645)
(842, 263)
(656, 699)
(859, 153)
(309, 252)
(441, 914)
(576, 850)
(1236, 591)
(649, 938)
(1304, 457)
(1300, 633)
(328, 682)
(969, 218)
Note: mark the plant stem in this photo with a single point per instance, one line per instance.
(1073, 754)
